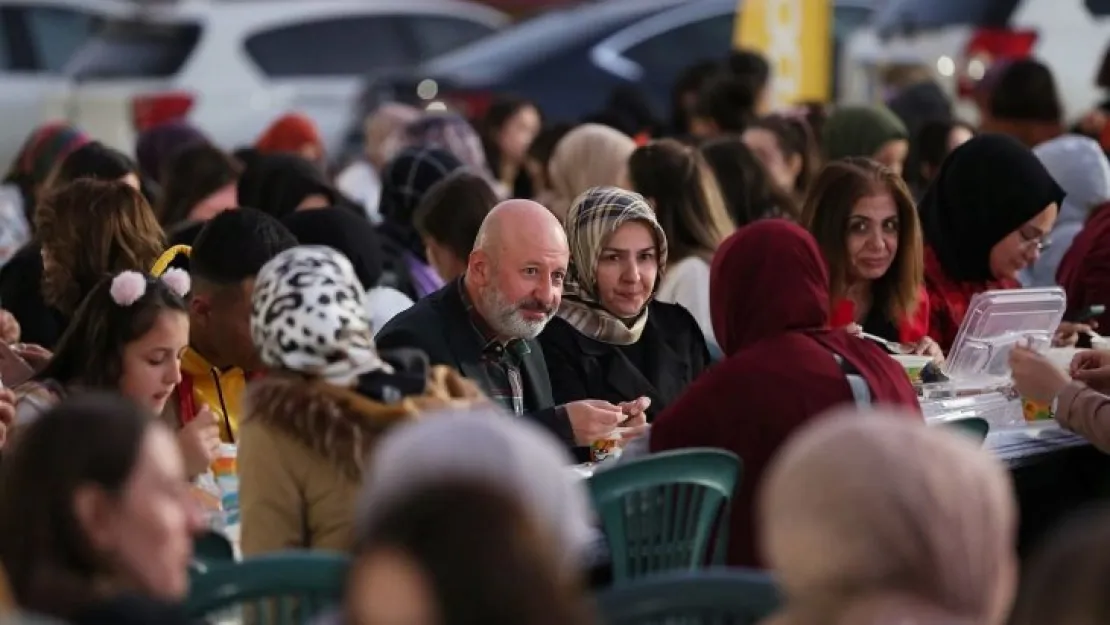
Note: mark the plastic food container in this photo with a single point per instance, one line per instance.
(978, 364)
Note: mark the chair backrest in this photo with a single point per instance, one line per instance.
(718, 596)
(665, 511)
(975, 427)
(279, 589)
(212, 548)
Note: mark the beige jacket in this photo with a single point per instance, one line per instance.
(303, 446)
(1086, 412)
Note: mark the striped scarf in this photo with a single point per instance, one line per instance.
(593, 218)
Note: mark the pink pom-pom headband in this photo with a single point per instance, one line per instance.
(130, 286)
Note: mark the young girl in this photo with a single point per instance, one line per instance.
(127, 336)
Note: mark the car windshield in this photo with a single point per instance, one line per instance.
(541, 36)
(135, 49)
(908, 16)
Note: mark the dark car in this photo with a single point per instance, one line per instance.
(570, 61)
(547, 58)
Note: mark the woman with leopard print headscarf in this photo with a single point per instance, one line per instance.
(312, 421)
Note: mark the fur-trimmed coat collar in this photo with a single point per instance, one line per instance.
(337, 423)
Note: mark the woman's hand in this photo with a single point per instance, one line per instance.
(1067, 335)
(928, 347)
(1035, 377)
(9, 327)
(1092, 367)
(635, 422)
(199, 440)
(36, 356)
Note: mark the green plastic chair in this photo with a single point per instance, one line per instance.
(210, 549)
(715, 596)
(664, 512)
(975, 427)
(285, 588)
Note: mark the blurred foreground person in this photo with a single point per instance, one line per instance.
(96, 519)
(934, 545)
(460, 552)
(1066, 578)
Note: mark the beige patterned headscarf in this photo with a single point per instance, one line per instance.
(591, 155)
(873, 514)
(596, 215)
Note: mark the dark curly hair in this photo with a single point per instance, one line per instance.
(90, 229)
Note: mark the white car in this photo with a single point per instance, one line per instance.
(231, 68)
(960, 39)
(37, 39)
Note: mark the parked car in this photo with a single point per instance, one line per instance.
(569, 61)
(961, 39)
(37, 39)
(232, 67)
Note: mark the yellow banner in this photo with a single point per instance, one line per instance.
(795, 37)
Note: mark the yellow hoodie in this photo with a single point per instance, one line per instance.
(221, 390)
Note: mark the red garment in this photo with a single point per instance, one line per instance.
(769, 289)
(289, 134)
(1084, 272)
(949, 299)
(910, 331)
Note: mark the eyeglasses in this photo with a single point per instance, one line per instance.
(1039, 243)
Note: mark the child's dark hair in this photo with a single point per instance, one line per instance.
(90, 352)
(795, 138)
(452, 211)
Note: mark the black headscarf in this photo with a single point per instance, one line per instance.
(986, 189)
(405, 181)
(278, 183)
(345, 232)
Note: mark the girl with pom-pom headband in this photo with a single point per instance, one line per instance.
(127, 336)
(130, 286)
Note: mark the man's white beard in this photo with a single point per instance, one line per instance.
(506, 319)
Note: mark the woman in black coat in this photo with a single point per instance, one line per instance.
(611, 340)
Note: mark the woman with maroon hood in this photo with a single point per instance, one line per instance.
(769, 295)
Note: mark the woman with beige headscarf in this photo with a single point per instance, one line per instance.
(589, 156)
(931, 541)
(611, 340)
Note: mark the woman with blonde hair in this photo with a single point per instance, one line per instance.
(681, 187)
(934, 543)
(591, 155)
(312, 422)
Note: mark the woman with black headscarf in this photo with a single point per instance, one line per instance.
(985, 217)
(354, 237)
(406, 180)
